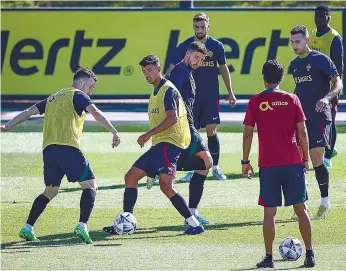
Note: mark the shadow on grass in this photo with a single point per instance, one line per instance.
(233, 176)
(116, 186)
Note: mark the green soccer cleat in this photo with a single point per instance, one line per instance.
(27, 235)
(82, 233)
(203, 221)
(322, 212)
(327, 163)
(334, 153)
(151, 181)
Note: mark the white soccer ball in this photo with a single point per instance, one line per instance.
(125, 223)
(291, 249)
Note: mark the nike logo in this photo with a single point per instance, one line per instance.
(215, 118)
(319, 141)
(160, 168)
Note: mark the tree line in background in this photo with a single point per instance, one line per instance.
(170, 4)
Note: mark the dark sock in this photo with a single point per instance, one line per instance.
(322, 177)
(40, 203)
(87, 201)
(214, 147)
(196, 189)
(130, 198)
(190, 163)
(309, 253)
(269, 257)
(180, 204)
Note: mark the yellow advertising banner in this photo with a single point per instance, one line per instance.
(41, 49)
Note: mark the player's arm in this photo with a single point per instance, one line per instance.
(303, 142)
(169, 70)
(337, 54)
(171, 107)
(249, 122)
(177, 57)
(100, 117)
(24, 115)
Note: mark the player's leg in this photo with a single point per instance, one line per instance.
(52, 179)
(318, 133)
(331, 152)
(269, 198)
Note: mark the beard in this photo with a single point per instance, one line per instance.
(200, 36)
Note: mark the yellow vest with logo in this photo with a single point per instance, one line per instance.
(62, 125)
(179, 133)
(323, 43)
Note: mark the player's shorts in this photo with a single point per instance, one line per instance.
(61, 160)
(319, 132)
(161, 158)
(290, 179)
(206, 112)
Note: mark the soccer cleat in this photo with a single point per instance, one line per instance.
(309, 261)
(187, 178)
(27, 235)
(334, 153)
(267, 262)
(82, 233)
(219, 175)
(194, 230)
(151, 181)
(203, 221)
(322, 212)
(327, 163)
(109, 229)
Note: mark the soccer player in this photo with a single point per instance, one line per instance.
(206, 106)
(64, 114)
(197, 156)
(314, 73)
(281, 167)
(170, 134)
(328, 41)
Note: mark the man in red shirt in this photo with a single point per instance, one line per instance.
(278, 115)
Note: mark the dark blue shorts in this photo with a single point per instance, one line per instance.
(197, 144)
(289, 179)
(161, 158)
(319, 133)
(61, 160)
(206, 112)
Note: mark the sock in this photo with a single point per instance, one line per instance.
(216, 167)
(190, 163)
(194, 211)
(309, 253)
(83, 225)
(192, 221)
(28, 227)
(322, 177)
(196, 188)
(269, 256)
(214, 147)
(130, 198)
(327, 160)
(40, 203)
(87, 201)
(180, 204)
(325, 202)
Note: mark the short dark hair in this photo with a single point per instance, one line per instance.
(201, 17)
(84, 72)
(150, 60)
(300, 29)
(324, 8)
(273, 71)
(199, 47)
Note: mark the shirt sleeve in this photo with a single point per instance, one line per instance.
(81, 101)
(221, 57)
(250, 119)
(41, 106)
(299, 113)
(328, 67)
(177, 78)
(336, 49)
(171, 99)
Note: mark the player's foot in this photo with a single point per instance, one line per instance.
(203, 221)
(309, 261)
(187, 178)
(217, 173)
(267, 262)
(322, 212)
(151, 181)
(334, 153)
(82, 232)
(109, 229)
(27, 235)
(194, 230)
(328, 163)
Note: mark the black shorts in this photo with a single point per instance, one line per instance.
(206, 112)
(319, 132)
(61, 160)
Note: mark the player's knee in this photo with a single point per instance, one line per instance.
(211, 130)
(269, 212)
(316, 156)
(89, 184)
(51, 191)
(166, 188)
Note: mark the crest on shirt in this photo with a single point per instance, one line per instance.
(308, 67)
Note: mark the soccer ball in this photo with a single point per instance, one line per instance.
(291, 249)
(125, 223)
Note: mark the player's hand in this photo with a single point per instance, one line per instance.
(143, 139)
(4, 128)
(116, 140)
(305, 165)
(232, 100)
(248, 171)
(322, 105)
